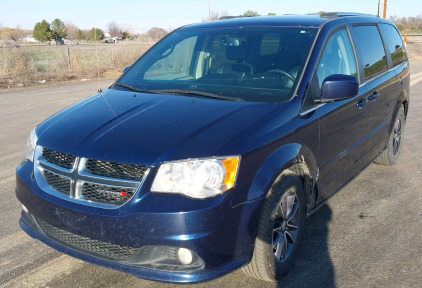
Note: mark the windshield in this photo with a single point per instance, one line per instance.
(232, 63)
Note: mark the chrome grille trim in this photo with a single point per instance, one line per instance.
(60, 159)
(106, 194)
(115, 170)
(50, 177)
(57, 182)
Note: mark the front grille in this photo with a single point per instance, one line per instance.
(95, 247)
(115, 170)
(107, 194)
(57, 182)
(95, 182)
(58, 158)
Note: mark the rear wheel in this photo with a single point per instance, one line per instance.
(280, 229)
(391, 154)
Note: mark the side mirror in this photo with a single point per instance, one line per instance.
(338, 87)
(126, 68)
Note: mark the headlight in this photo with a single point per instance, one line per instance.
(197, 178)
(30, 145)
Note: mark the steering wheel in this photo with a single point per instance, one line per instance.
(281, 72)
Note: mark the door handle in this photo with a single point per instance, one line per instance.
(374, 96)
(361, 103)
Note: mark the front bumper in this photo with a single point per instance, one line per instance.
(144, 236)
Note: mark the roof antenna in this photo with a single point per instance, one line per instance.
(96, 54)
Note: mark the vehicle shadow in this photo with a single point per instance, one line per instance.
(313, 267)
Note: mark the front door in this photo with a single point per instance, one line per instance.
(343, 124)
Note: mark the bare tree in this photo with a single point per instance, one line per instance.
(408, 24)
(215, 15)
(403, 21)
(156, 33)
(114, 29)
(126, 28)
(414, 21)
(17, 34)
(85, 33)
(72, 30)
(251, 13)
(394, 18)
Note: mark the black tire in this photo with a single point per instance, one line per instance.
(391, 154)
(280, 229)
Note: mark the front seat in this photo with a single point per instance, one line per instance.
(238, 68)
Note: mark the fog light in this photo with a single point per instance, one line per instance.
(167, 258)
(24, 209)
(185, 256)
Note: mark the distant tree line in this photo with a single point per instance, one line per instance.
(408, 24)
(14, 34)
(57, 30)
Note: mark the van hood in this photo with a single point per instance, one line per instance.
(147, 129)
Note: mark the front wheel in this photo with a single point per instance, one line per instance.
(391, 154)
(280, 229)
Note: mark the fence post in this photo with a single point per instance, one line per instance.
(112, 56)
(68, 59)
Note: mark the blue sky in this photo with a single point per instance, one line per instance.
(138, 15)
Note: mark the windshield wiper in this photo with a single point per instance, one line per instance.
(130, 87)
(196, 93)
(180, 92)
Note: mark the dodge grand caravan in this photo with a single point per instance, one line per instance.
(209, 152)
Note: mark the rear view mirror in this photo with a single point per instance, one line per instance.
(339, 87)
(231, 41)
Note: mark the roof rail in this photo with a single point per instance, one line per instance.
(343, 14)
(228, 17)
(232, 17)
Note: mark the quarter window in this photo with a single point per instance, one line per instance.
(370, 46)
(394, 43)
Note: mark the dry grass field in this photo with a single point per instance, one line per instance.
(29, 65)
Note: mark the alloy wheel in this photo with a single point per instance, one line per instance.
(285, 226)
(397, 136)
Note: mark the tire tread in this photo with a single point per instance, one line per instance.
(258, 267)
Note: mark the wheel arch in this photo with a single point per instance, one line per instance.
(292, 157)
(405, 105)
(402, 103)
(404, 95)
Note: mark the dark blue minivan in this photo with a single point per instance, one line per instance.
(209, 152)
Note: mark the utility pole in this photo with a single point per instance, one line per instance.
(382, 8)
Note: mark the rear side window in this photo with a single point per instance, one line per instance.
(394, 43)
(369, 43)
